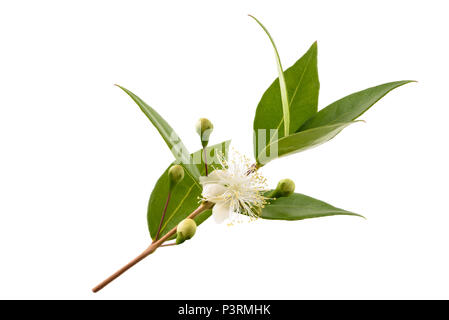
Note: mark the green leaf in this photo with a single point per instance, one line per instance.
(302, 89)
(298, 207)
(301, 141)
(283, 86)
(185, 196)
(351, 107)
(174, 143)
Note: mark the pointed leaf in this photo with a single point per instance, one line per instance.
(282, 84)
(302, 90)
(174, 143)
(298, 207)
(301, 141)
(350, 107)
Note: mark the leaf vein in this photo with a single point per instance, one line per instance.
(177, 208)
(300, 80)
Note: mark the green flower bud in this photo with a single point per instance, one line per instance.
(186, 230)
(284, 188)
(204, 128)
(175, 175)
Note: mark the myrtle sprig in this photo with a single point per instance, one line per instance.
(290, 102)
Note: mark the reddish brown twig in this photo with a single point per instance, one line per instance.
(156, 244)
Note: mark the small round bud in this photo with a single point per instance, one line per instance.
(284, 188)
(186, 230)
(204, 128)
(175, 175)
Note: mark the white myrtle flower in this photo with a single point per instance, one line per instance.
(234, 189)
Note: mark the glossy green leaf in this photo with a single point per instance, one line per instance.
(282, 83)
(301, 141)
(302, 89)
(298, 207)
(350, 107)
(185, 196)
(174, 143)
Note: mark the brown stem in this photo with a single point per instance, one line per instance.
(163, 216)
(205, 160)
(168, 244)
(254, 167)
(203, 207)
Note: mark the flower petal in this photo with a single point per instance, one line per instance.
(221, 212)
(213, 177)
(212, 191)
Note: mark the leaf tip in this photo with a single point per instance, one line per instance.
(251, 16)
(401, 83)
(357, 215)
(314, 47)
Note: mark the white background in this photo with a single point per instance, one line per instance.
(78, 159)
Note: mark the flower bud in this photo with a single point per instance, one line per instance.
(204, 128)
(284, 188)
(175, 175)
(186, 230)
